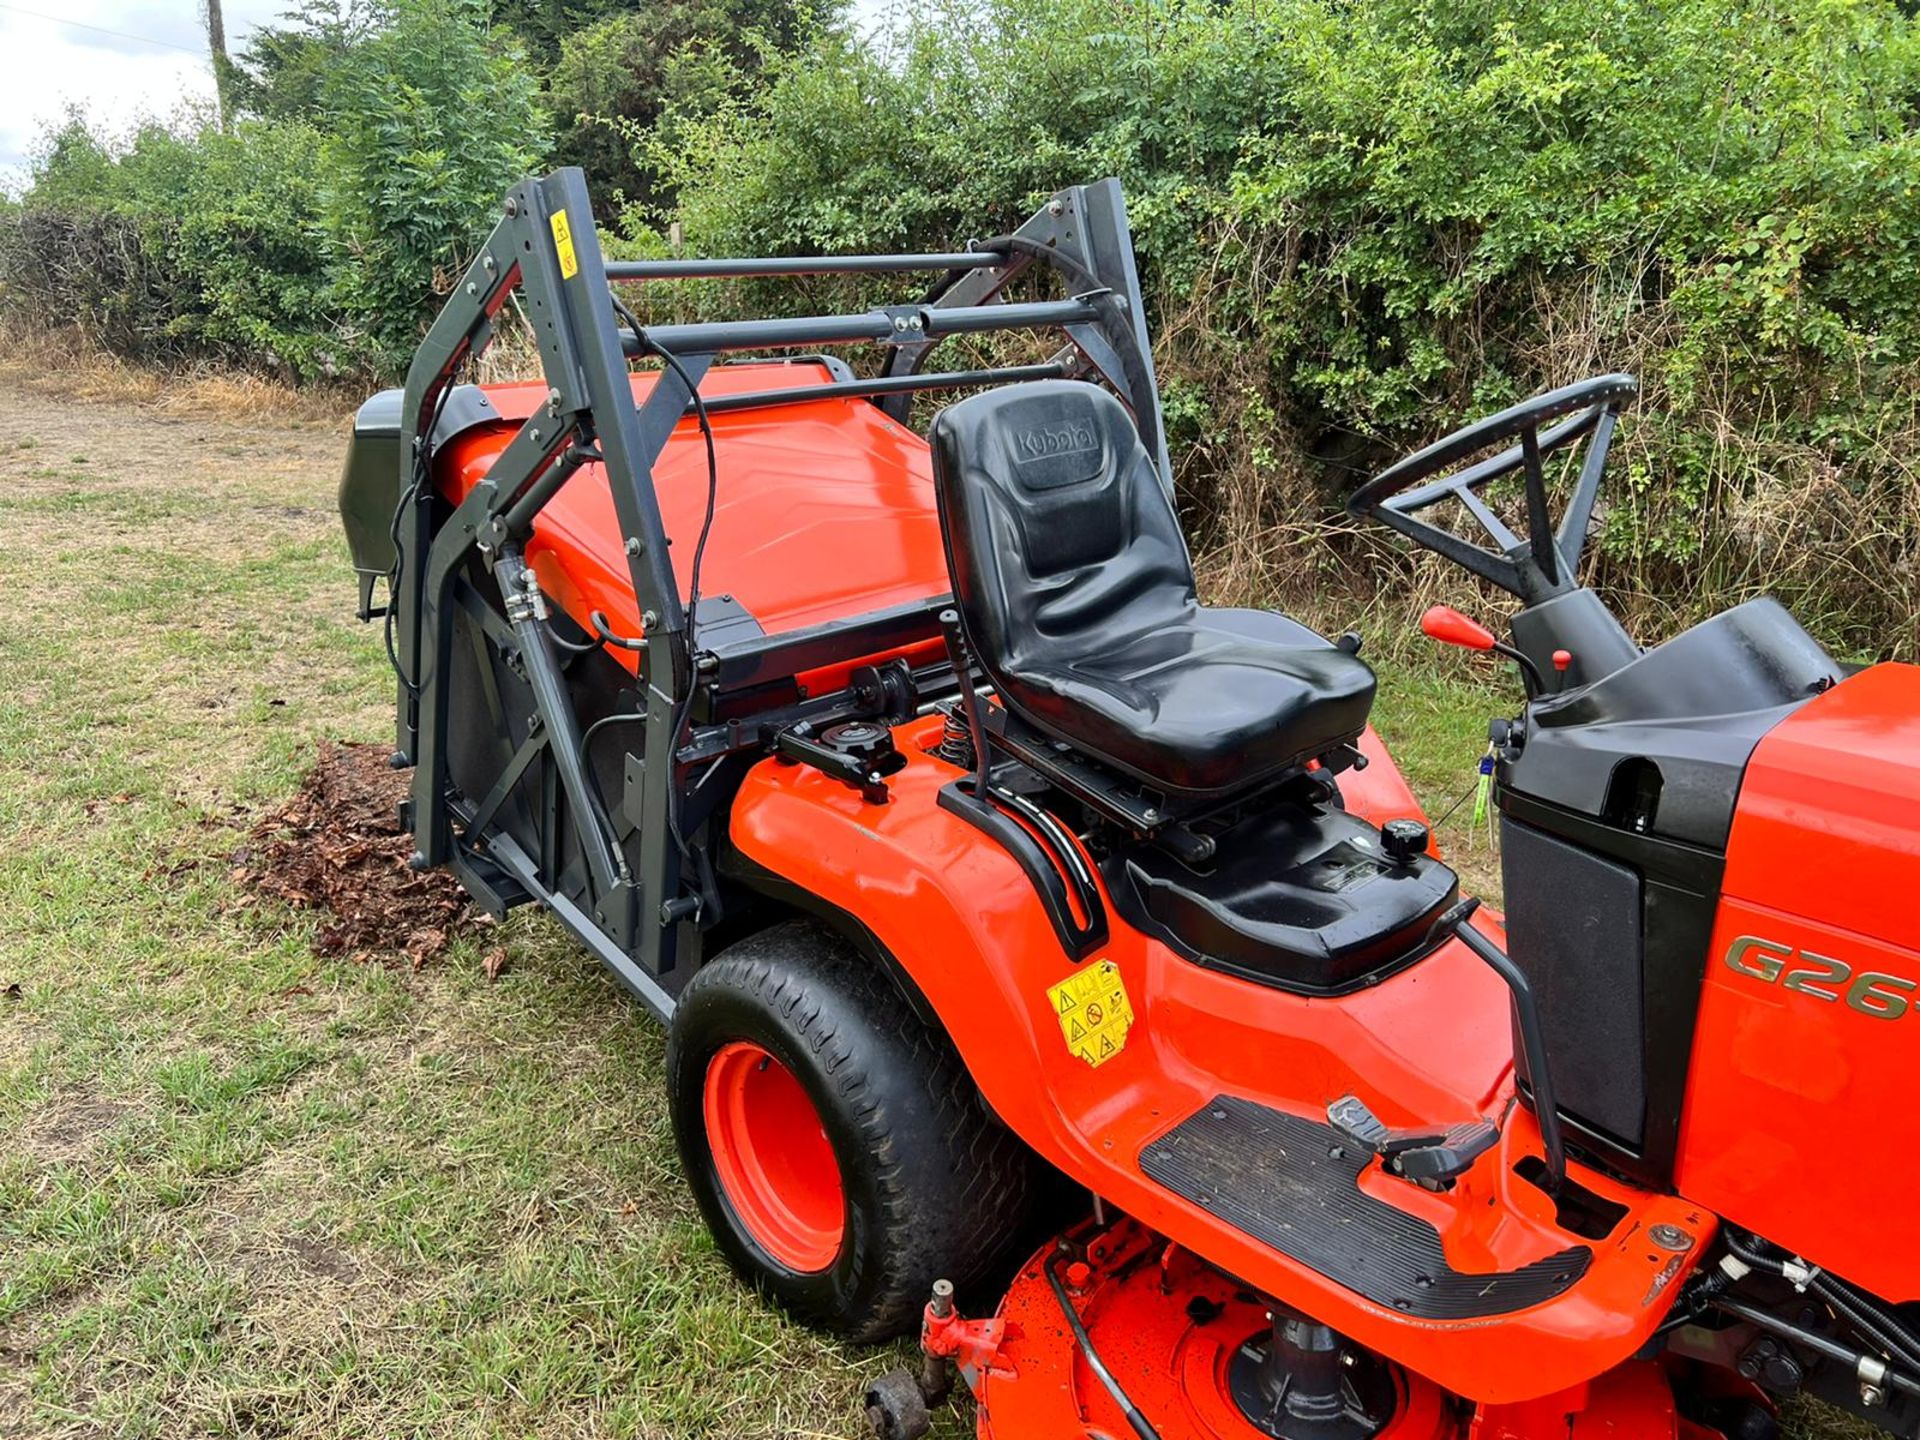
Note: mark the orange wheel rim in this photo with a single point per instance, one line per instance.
(774, 1161)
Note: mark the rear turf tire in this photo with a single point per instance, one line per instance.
(929, 1183)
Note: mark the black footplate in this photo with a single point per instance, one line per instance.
(1291, 1184)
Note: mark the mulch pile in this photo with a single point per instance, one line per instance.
(337, 847)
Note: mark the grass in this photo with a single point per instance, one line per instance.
(249, 1191)
(252, 1192)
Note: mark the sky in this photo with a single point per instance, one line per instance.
(120, 60)
(153, 62)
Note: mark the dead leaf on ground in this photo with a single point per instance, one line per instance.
(337, 847)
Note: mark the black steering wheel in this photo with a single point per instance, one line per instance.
(1541, 564)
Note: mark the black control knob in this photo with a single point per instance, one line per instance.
(1404, 841)
(862, 739)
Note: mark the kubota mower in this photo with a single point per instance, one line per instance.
(961, 849)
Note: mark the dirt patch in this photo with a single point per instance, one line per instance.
(70, 1127)
(337, 847)
(319, 1258)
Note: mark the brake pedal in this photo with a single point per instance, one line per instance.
(1426, 1157)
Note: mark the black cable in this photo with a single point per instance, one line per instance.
(1141, 1426)
(1525, 662)
(593, 776)
(608, 637)
(409, 497)
(572, 647)
(1465, 795)
(1874, 1324)
(684, 710)
(595, 728)
(1889, 1338)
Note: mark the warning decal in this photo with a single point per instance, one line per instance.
(1094, 1012)
(563, 242)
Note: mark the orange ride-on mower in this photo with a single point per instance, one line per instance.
(961, 849)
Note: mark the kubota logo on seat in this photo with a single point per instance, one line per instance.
(1043, 441)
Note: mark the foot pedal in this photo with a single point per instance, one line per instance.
(1427, 1157)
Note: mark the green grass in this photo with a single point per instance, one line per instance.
(253, 1192)
(1432, 714)
(250, 1191)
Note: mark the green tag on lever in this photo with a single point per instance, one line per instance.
(1483, 788)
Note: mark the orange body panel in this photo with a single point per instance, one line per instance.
(1823, 867)
(825, 509)
(1432, 1043)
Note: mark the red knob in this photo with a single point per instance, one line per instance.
(1562, 659)
(1450, 627)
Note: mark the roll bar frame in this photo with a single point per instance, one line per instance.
(545, 251)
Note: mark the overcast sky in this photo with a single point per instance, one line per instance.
(120, 60)
(154, 61)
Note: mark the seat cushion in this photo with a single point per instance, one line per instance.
(1214, 700)
(1074, 584)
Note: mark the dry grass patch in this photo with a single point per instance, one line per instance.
(63, 364)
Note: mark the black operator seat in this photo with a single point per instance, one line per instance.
(1074, 585)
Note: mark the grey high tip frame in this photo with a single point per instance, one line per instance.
(647, 889)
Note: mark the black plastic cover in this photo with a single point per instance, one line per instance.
(1300, 897)
(1693, 708)
(1617, 802)
(370, 484)
(1574, 929)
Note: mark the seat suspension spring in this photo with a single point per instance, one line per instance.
(956, 741)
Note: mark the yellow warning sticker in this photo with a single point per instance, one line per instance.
(563, 242)
(1094, 1012)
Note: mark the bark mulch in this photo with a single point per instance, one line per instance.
(336, 847)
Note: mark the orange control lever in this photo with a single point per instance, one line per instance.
(1450, 627)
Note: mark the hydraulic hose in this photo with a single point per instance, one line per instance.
(1140, 1424)
(1867, 1318)
(1873, 1322)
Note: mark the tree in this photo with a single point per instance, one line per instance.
(615, 78)
(428, 122)
(281, 73)
(544, 25)
(216, 22)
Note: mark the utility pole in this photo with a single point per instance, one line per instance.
(217, 48)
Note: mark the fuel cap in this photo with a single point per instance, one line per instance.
(1404, 841)
(862, 738)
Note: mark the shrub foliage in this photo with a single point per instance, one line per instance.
(1360, 222)
(312, 243)
(1364, 221)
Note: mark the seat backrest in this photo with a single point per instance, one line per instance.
(1058, 533)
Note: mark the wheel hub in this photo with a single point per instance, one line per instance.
(773, 1159)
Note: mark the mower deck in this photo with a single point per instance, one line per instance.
(1172, 1325)
(1188, 1342)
